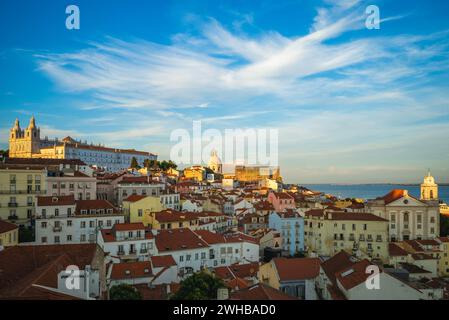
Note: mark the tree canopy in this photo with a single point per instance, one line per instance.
(199, 286)
(134, 163)
(124, 292)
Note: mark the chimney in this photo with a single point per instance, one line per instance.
(223, 294)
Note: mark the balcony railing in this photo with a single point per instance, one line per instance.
(120, 253)
(13, 204)
(23, 192)
(57, 229)
(143, 251)
(13, 217)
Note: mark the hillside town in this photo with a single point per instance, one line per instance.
(124, 219)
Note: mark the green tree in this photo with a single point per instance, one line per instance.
(134, 163)
(124, 292)
(199, 286)
(4, 153)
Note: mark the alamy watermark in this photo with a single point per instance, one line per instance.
(73, 21)
(373, 280)
(373, 17)
(72, 281)
(249, 146)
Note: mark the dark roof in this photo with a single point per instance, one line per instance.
(260, 292)
(7, 226)
(297, 268)
(23, 266)
(55, 201)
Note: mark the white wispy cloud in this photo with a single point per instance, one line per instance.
(329, 94)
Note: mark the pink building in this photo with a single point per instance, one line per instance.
(281, 201)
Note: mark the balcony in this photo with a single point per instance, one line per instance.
(120, 253)
(143, 251)
(38, 192)
(57, 229)
(13, 204)
(13, 218)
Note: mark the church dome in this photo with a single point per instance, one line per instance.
(215, 162)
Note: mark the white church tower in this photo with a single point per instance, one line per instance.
(429, 189)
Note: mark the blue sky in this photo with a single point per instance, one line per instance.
(352, 105)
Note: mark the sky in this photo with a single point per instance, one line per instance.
(352, 104)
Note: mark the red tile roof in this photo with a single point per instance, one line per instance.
(7, 226)
(135, 198)
(178, 239)
(247, 270)
(395, 250)
(23, 266)
(174, 216)
(394, 195)
(55, 201)
(131, 270)
(354, 216)
(94, 205)
(297, 268)
(336, 263)
(163, 261)
(354, 275)
(260, 292)
(128, 226)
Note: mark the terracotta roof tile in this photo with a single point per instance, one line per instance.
(297, 268)
(7, 226)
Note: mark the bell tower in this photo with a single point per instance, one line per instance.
(429, 189)
(24, 143)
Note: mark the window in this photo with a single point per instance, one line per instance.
(108, 223)
(43, 225)
(44, 239)
(69, 223)
(92, 224)
(69, 237)
(83, 238)
(406, 217)
(432, 219)
(57, 239)
(83, 224)
(203, 255)
(44, 212)
(181, 258)
(130, 234)
(56, 212)
(196, 256)
(140, 212)
(69, 211)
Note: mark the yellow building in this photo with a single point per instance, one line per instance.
(19, 186)
(362, 234)
(134, 207)
(9, 234)
(170, 219)
(197, 173)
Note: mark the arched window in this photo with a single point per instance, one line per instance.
(431, 194)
